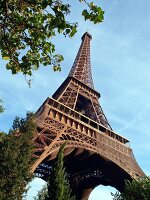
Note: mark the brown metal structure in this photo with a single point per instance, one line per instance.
(94, 153)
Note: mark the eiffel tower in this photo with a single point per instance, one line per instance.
(95, 154)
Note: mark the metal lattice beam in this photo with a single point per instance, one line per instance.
(81, 68)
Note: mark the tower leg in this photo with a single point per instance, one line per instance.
(85, 194)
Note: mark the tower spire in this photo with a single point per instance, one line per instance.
(81, 68)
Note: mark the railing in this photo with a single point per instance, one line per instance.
(84, 119)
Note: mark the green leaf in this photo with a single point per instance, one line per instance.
(5, 58)
(85, 14)
(32, 27)
(92, 4)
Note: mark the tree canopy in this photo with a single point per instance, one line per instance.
(16, 149)
(42, 194)
(28, 26)
(57, 187)
(135, 190)
(1, 106)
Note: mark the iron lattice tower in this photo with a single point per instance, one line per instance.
(94, 153)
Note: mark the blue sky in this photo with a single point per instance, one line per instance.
(120, 57)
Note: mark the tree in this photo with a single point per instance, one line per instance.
(42, 194)
(16, 149)
(135, 190)
(1, 106)
(58, 186)
(30, 25)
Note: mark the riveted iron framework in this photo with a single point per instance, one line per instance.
(81, 68)
(94, 153)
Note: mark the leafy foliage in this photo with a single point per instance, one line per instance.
(42, 194)
(135, 190)
(30, 25)
(58, 186)
(95, 13)
(1, 106)
(16, 150)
